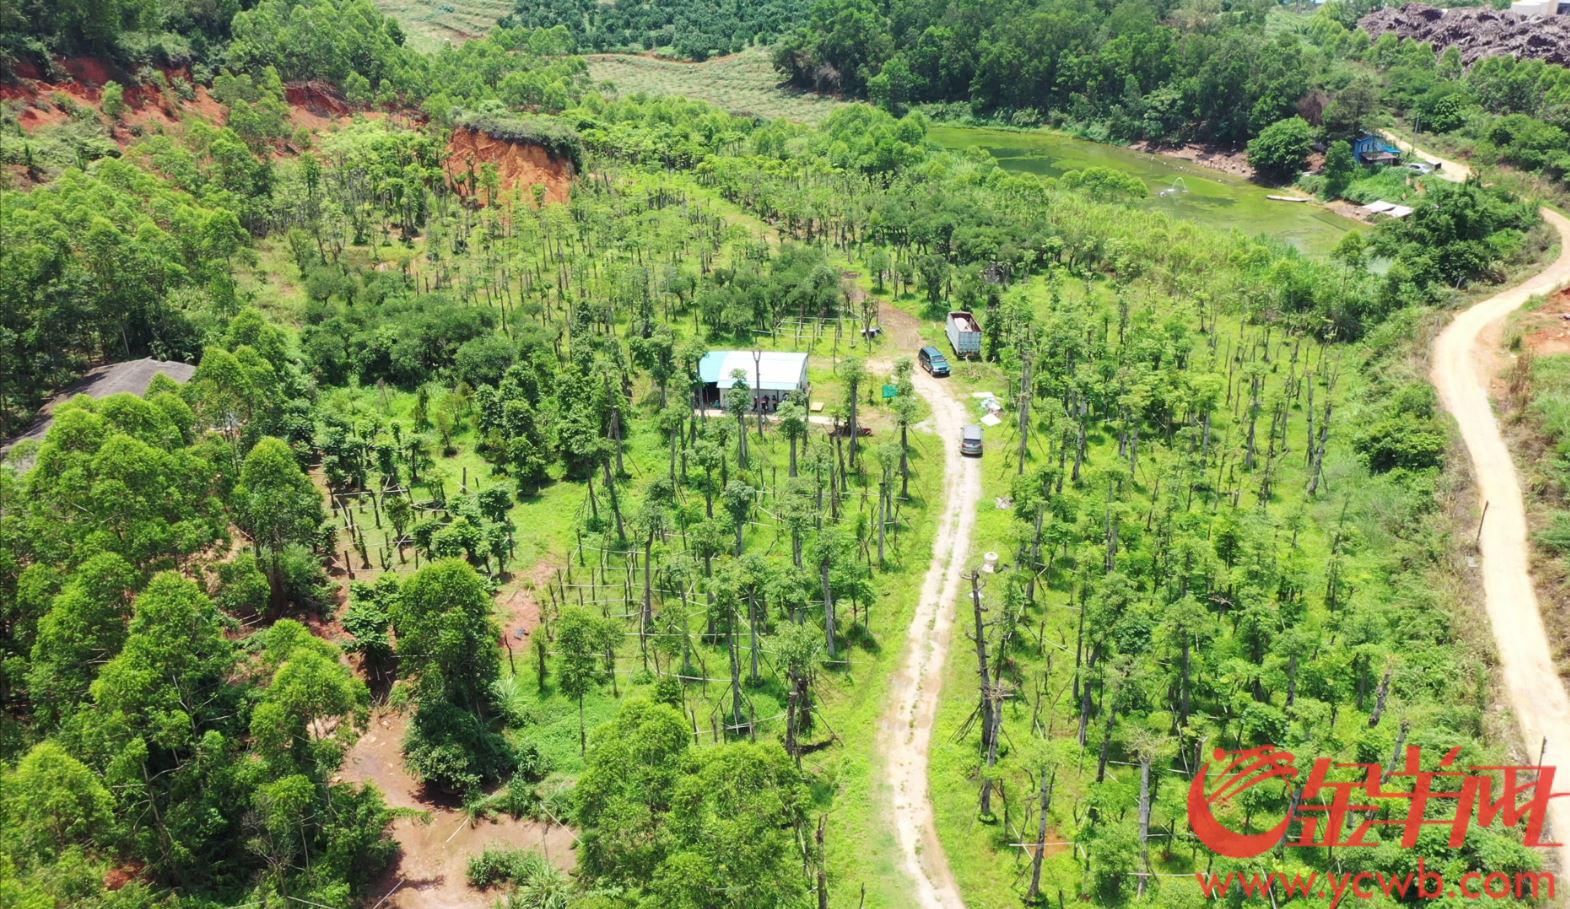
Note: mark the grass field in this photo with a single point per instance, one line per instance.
(743, 83)
(431, 23)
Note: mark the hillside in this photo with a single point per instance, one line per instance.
(1476, 33)
(494, 487)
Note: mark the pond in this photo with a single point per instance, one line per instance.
(1184, 189)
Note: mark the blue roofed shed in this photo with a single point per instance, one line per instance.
(772, 374)
(1372, 149)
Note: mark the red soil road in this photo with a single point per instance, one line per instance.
(435, 850)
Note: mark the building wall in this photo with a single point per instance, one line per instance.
(766, 400)
(1539, 7)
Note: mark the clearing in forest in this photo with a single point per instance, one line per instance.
(432, 23)
(743, 83)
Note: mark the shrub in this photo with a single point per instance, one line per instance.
(1556, 536)
(1407, 436)
(452, 749)
(498, 865)
(1281, 149)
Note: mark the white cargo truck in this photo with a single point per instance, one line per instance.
(964, 334)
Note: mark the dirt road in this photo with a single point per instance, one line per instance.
(905, 732)
(1454, 171)
(1461, 372)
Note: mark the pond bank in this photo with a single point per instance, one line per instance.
(1227, 162)
(1181, 186)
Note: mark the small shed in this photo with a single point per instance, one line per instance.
(1371, 150)
(772, 374)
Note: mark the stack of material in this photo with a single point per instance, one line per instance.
(1478, 32)
(992, 407)
(1388, 209)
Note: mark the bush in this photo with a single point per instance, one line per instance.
(242, 588)
(483, 360)
(1556, 536)
(1402, 440)
(454, 750)
(305, 583)
(498, 865)
(1281, 149)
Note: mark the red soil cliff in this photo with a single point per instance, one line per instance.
(519, 165)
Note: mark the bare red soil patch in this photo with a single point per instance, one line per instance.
(436, 848)
(518, 164)
(1547, 331)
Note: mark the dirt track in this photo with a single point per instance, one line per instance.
(1461, 372)
(905, 732)
(1454, 171)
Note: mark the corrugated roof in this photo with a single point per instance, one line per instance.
(775, 370)
(129, 376)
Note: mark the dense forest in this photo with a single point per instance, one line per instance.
(1174, 73)
(420, 398)
(689, 29)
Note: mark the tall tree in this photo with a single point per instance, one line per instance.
(277, 506)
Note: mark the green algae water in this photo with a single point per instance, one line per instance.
(1183, 189)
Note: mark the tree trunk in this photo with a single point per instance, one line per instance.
(1047, 780)
(277, 595)
(828, 607)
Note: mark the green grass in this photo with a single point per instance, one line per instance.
(432, 23)
(742, 83)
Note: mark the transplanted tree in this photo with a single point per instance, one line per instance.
(276, 506)
(51, 801)
(446, 635)
(738, 402)
(162, 726)
(309, 685)
(84, 627)
(1340, 167)
(582, 640)
(904, 406)
(852, 370)
(792, 417)
(368, 621)
(713, 829)
(737, 818)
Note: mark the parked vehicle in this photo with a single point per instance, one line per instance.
(964, 334)
(970, 441)
(933, 361)
(1421, 167)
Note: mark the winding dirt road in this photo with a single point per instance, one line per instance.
(905, 732)
(1461, 372)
